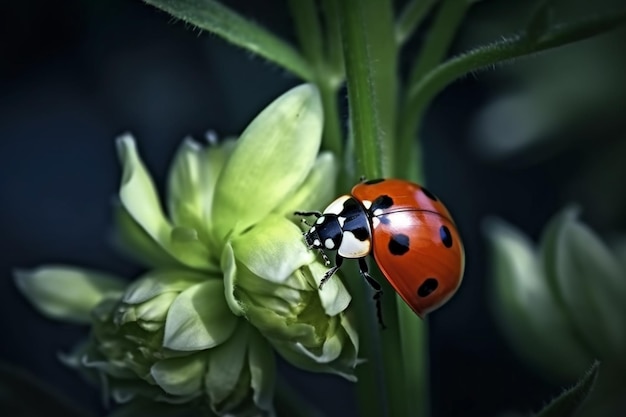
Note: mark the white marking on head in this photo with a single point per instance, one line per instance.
(378, 212)
(375, 222)
(329, 244)
(367, 204)
(341, 221)
(351, 247)
(320, 220)
(312, 229)
(336, 206)
(317, 243)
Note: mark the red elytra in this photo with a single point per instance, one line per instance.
(428, 269)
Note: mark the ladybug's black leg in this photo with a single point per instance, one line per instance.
(308, 213)
(378, 290)
(331, 271)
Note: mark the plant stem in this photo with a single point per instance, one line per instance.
(364, 112)
(436, 46)
(309, 33)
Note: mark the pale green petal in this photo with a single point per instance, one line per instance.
(191, 182)
(229, 266)
(317, 190)
(525, 307)
(138, 194)
(131, 238)
(180, 376)
(334, 296)
(140, 200)
(272, 158)
(199, 318)
(303, 361)
(66, 292)
(273, 249)
(225, 364)
(590, 283)
(152, 311)
(158, 282)
(262, 371)
(186, 245)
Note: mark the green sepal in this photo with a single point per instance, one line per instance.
(66, 292)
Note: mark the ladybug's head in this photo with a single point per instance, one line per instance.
(326, 233)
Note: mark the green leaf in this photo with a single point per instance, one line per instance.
(216, 18)
(66, 292)
(180, 376)
(525, 308)
(157, 282)
(273, 249)
(21, 394)
(568, 403)
(590, 283)
(199, 318)
(273, 157)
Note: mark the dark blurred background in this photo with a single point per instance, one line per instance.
(519, 143)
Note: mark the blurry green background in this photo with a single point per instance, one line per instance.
(518, 142)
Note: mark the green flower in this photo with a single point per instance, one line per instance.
(229, 277)
(561, 304)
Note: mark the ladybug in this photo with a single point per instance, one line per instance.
(406, 228)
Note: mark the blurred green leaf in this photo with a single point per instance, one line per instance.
(22, 395)
(589, 282)
(568, 403)
(525, 308)
(216, 18)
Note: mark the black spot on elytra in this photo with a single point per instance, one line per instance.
(427, 287)
(399, 244)
(382, 202)
(446, 237)
(374, 181)
(429, 194)
(360, 233)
